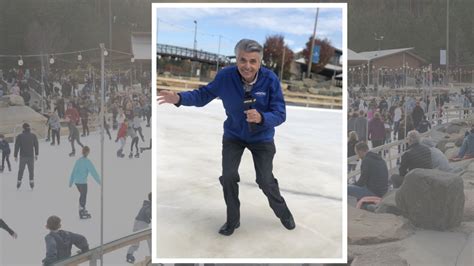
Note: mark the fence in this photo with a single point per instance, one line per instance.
(93, 255)
(386, 149)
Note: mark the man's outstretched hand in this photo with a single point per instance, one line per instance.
(168, 97)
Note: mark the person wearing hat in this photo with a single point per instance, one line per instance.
(26, 144)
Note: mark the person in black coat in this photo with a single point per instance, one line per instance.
(59, 242)
(5, 148)
(27, 145)
(417, 156)
(373, 179)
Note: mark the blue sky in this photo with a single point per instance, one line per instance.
(176, 26)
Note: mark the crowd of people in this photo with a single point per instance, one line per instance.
(374, 121)
(76, 103)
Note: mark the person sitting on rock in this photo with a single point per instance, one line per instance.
(467, 148)
(373, 179)
(417, 156)
(438, 159)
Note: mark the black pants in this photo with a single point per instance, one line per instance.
(78, 142)
(49, 133)
(6, 157)
(82, 194)
(26, 161)
(56, 135)
(134, 143)
(85, 127)
(139, 130)
(262, 154)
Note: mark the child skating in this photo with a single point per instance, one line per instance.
(5, 148)
(80, 172)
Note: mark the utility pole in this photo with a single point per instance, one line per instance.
(218, 52)
(101, 121)
(194, 48)
(312, 44)
(282, 62)
(447, 42)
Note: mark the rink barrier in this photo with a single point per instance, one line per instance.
(308, 100)
(93, 255)
(456, 114)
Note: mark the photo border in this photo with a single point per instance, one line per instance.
(343, 112)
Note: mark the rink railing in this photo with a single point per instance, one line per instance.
(93, 255)
(449, 114)
(305, 99)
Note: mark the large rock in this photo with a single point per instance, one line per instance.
(366, 228)
(469, 205)
(388, 204)
(14, 100)
(453, 129)
(452, 152)
(432, 199)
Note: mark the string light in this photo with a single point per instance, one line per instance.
(79, 57)
(51, 60)
(106, 53)
(20, 61)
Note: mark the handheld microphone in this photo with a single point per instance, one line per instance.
(249, 101)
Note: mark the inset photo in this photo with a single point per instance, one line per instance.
(249, 162)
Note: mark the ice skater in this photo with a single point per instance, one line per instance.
(80, 172)
(26, 144)
(142, 221)
(5, 148)
(122, 137)
(133, 135)
(59, 242)
(5, 227)
(254, 105)
(55, 126)
(136, 124)
(73, 137)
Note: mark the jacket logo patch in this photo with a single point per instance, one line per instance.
(260, 93)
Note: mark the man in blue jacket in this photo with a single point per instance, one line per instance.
(249, 125)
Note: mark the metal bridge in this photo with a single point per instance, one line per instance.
(191, 54)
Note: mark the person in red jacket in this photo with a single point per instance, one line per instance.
(122, 137)
(376, 130)
(72, 114)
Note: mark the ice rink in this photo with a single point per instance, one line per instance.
(191, 208)
(127, 183)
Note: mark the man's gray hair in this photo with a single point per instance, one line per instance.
(248, 46)
(413, 137)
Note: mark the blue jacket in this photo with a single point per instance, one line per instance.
(228, 86)
(81, 170)
(467, 147)
(5, 147)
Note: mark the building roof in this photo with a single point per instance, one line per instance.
(353, 56)
(141, 45)
(371, 55)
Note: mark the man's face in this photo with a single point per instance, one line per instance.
(248, 65)
(360, 153)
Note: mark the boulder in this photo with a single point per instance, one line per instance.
(453, 128)
(15, 100)
(388, 204)
(449, 145)
(459, 141)
(366, 228)
(452, 152)
(432, 199)
(468, 205)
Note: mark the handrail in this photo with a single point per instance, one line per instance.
(93, 255)
(388, 146)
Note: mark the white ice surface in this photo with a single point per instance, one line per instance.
(127, 183)
(191, 208)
